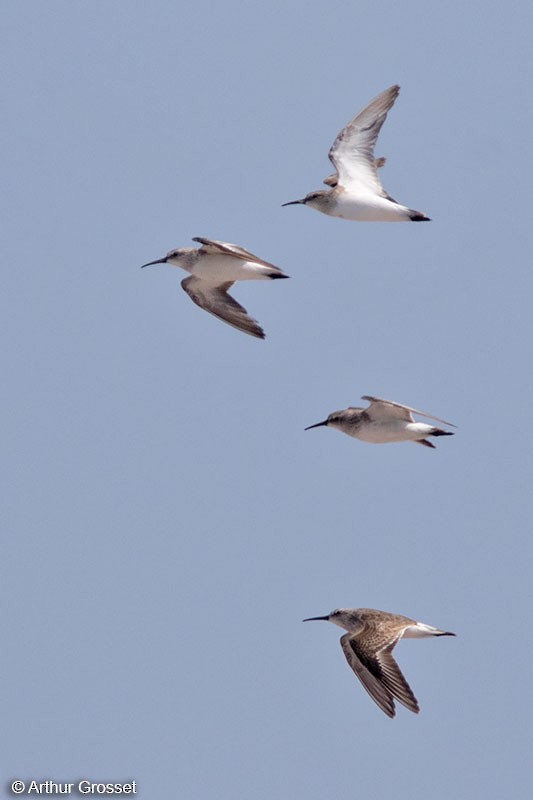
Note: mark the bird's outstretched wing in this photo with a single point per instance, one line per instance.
(216, 300)
(380, 675)
(377, 691)
(380, 409)
(214, 247)
(332, 180)
(352, 152)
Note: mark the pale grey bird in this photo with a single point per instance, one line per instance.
(357, 193)
(214, 268)
(384, 421)
(368, 645)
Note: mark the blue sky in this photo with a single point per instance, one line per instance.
(168, 522)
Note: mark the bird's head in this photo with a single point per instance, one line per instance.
(334, 419)
(173, 257)
(316, 199)
(343, 617)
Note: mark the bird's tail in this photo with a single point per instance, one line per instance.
(417, 216)
(420, 630)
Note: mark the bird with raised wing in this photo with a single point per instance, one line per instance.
(214, 267)
(368, 645)
(357, 193)
(384, 421)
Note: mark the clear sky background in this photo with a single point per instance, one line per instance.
(167, 522)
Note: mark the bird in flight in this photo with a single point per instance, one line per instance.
(357, 193)
(214, 267)
(368, 645)
(384, 421)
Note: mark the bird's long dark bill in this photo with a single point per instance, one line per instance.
(293, 203)
(159, 261)
(312, 619)
(317, 425)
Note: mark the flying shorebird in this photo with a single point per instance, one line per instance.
(368, 645)
(384, 421)
(214, 268)
(357, 193)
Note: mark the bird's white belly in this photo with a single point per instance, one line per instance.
(226, 268)
(396, 431)
(368, 209)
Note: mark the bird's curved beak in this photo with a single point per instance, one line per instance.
(159, 261)
(312, 619)
(293, 203)
(316, 425)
